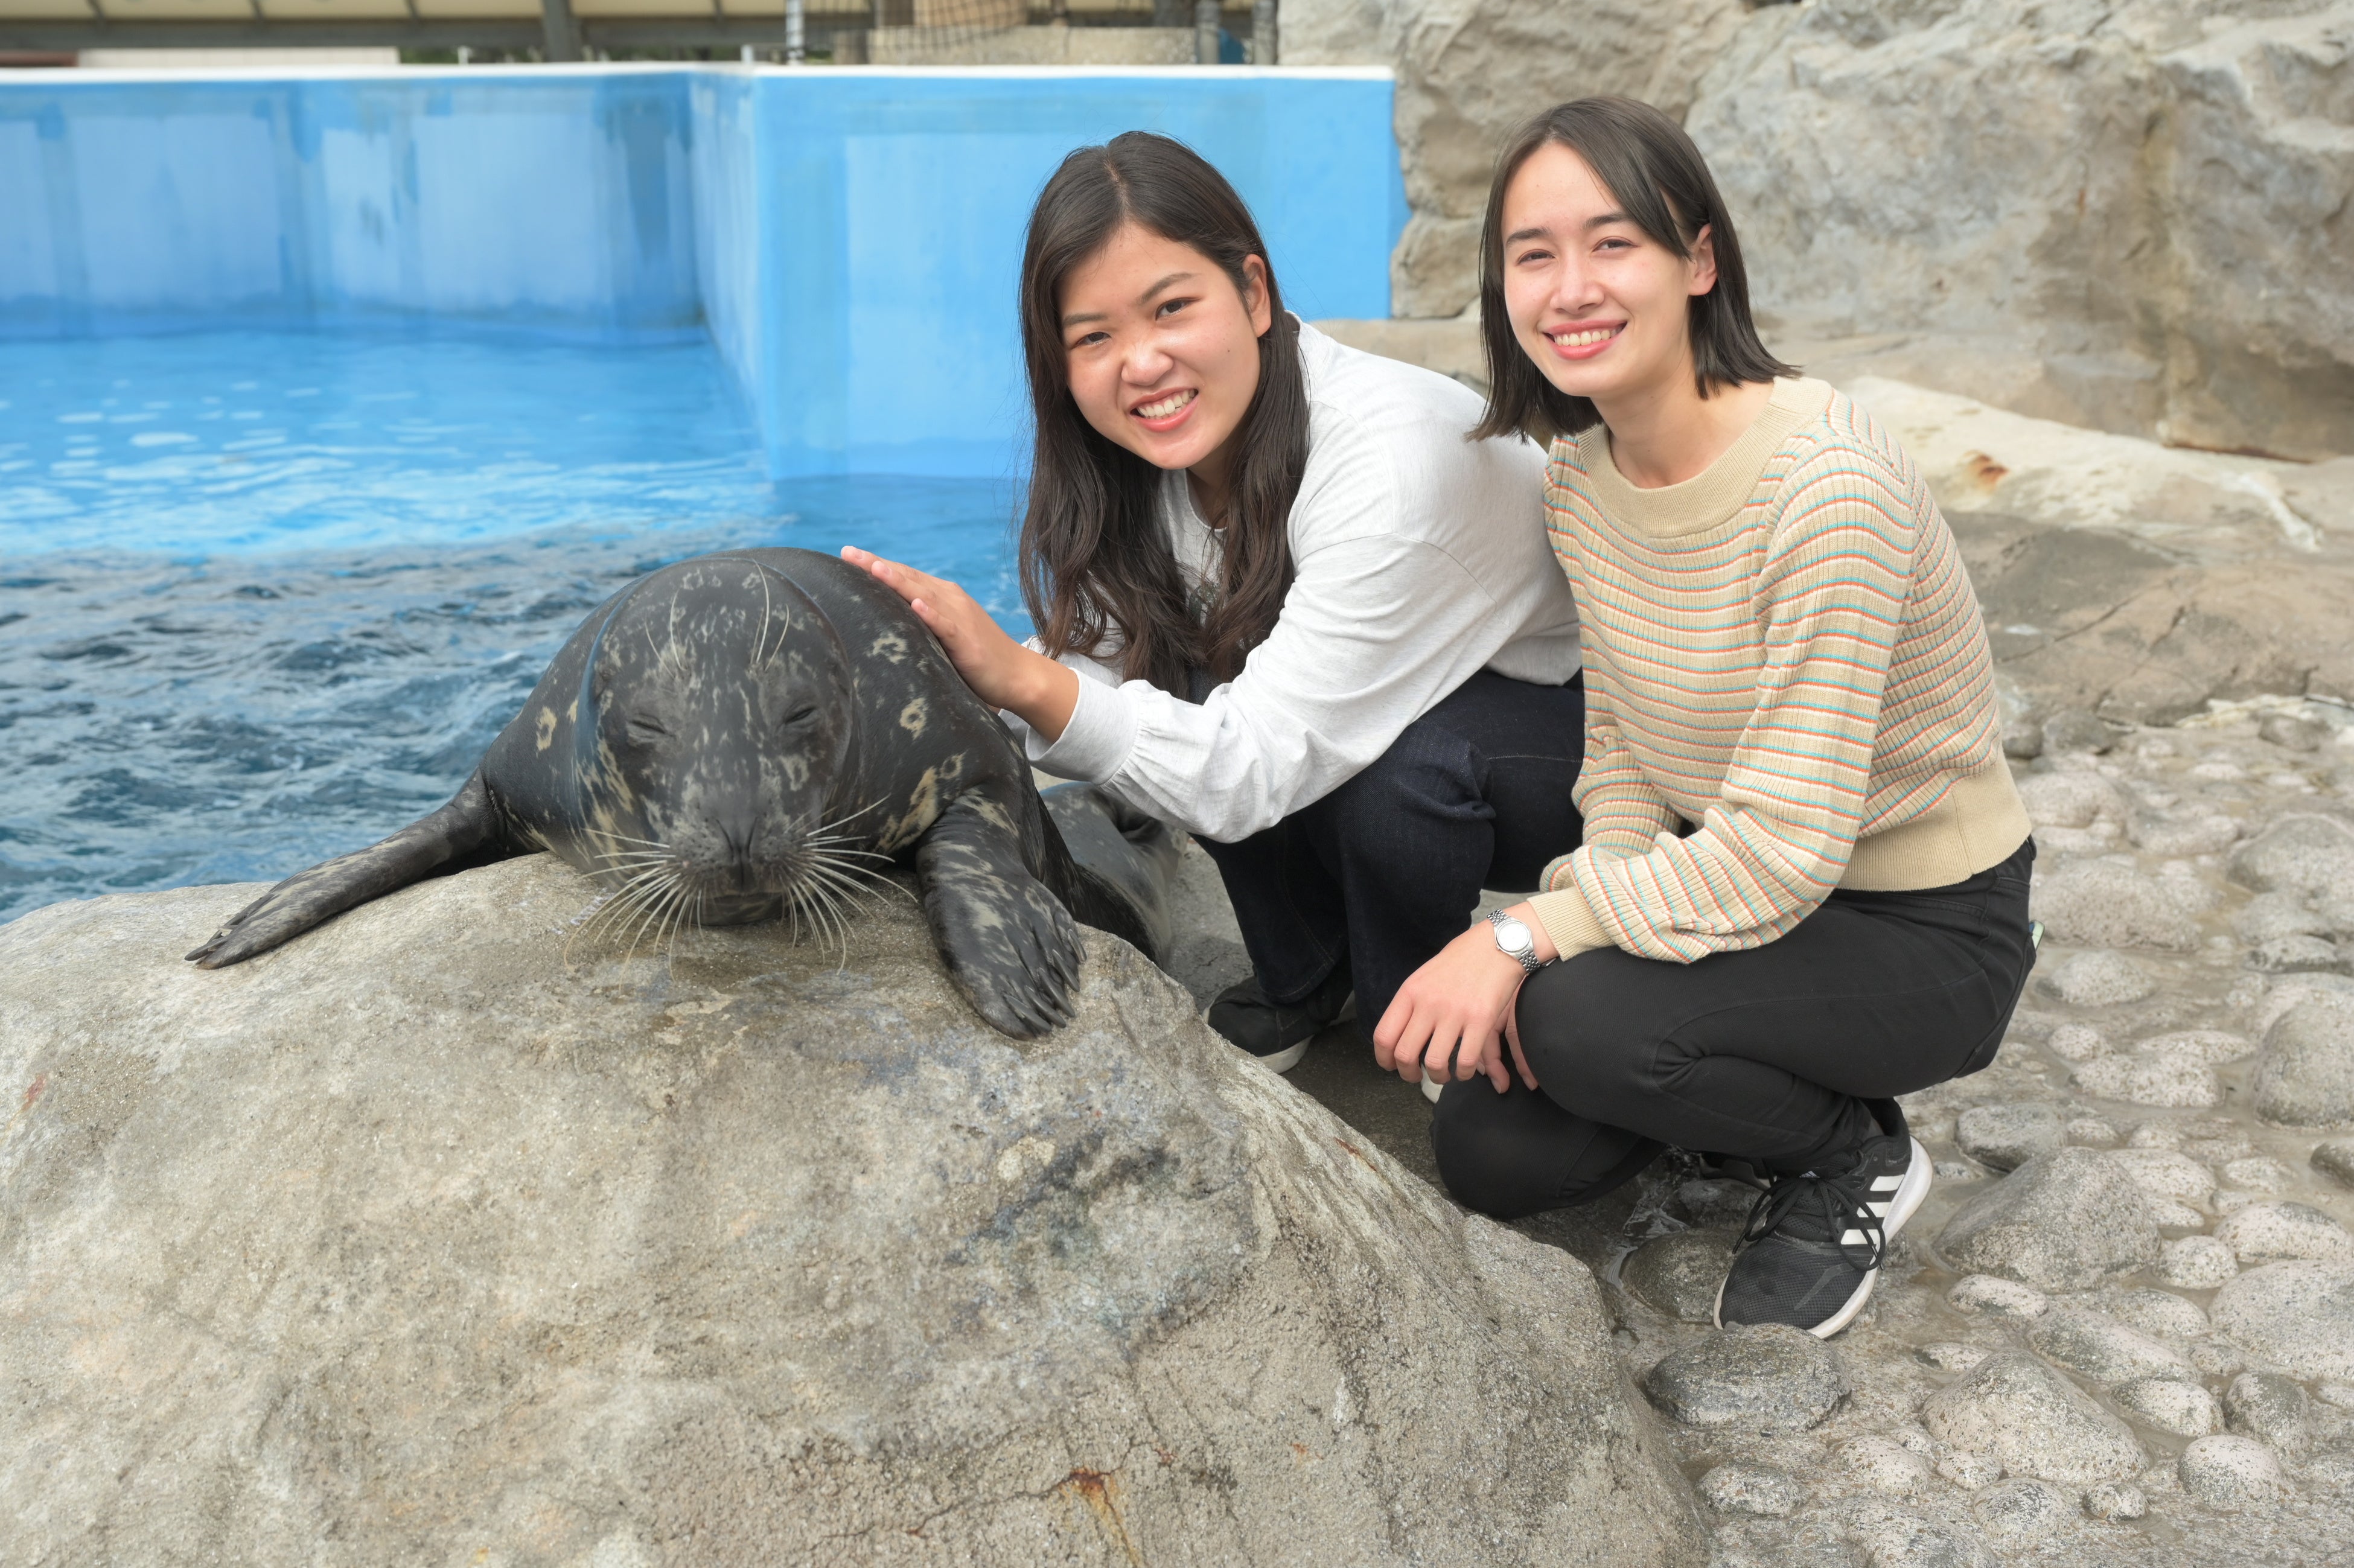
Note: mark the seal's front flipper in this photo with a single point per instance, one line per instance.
(1126, 863)
(1009, 945)
(462, 828)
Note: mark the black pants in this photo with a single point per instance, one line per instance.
(1767, 1055)
(1387, 869)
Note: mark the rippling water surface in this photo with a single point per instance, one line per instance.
(265, 597)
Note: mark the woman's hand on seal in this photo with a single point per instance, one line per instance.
(1001, 672)
(1454, 1016)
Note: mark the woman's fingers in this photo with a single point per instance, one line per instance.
(901, 579)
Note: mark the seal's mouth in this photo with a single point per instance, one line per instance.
(653, 889)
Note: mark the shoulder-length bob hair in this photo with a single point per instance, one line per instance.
(1662, 185)
(1096, 572)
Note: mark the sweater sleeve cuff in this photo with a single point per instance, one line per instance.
(1570, 921)
(1101, 734)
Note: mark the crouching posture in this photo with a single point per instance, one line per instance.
(1802, 889)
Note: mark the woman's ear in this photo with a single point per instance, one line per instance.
(1703, 261)
(1254, 295)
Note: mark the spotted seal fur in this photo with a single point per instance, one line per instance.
(753, 733)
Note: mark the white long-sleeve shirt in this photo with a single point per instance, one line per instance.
(1418, 558)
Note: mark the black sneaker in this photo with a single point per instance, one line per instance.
(1278, 1033)
(1814, 1243)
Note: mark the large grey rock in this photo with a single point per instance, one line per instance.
(2061, 1222)
(2271, 1408)
(2098, 979)
(2305, 1075)
(2233, 1474)
(2004, 1138)
(2170, 1404)
(1891, 168)
(2103, 1349)
(2034, 1422)
(2166, 1174)
(2298, 1316)
(413, 1234)
(2160, 1313)
(2302, 853)
(2101, 903)
(2151, 1078)
(1739, 1488)
(1771, 1378)
(2271, 1231)
(2196, 1263)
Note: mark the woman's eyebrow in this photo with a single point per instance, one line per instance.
(1541, 232)
(1146, 297)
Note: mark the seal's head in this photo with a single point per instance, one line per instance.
(714, 723)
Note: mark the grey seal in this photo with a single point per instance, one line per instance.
(754, 733)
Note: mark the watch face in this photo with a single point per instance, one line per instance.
(1513, 937)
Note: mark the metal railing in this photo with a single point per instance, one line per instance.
(978, 32)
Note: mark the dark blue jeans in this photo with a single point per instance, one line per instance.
(1385, 869)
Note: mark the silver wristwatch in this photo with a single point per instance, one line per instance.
(1514, 940)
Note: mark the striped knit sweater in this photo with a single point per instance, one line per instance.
(1784, 652)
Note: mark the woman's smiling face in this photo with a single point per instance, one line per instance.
(1160, 349)
(1598, 305)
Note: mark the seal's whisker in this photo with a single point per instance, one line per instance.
(609, 909)
(648, 909)
(832, 844)
(760, 643)
(677, 924)
(629, 860)
(647, 875)
(843, 892)
(825, 916)
(612, 837)
(844, 822)
(613, 899)
(857, 882)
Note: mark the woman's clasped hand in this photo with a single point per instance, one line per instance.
(1454, 1017)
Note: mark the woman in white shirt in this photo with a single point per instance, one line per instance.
(1281, 599)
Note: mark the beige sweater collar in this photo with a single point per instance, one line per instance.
(1709, 499)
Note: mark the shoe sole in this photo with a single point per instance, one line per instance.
(1919, 1177)
(1283, 1061)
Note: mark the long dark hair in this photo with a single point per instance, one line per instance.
(1662, 185)
(1096, 567)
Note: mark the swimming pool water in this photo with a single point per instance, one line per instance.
(266, 598)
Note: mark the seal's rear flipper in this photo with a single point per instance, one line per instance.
(1009, 945)
(460, 831)
(1125, 860)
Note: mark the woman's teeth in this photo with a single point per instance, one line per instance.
(1580, 339)
(1165, 407)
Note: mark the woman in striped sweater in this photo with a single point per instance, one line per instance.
(1802, 890)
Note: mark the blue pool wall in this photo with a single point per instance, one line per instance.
(848, 238)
